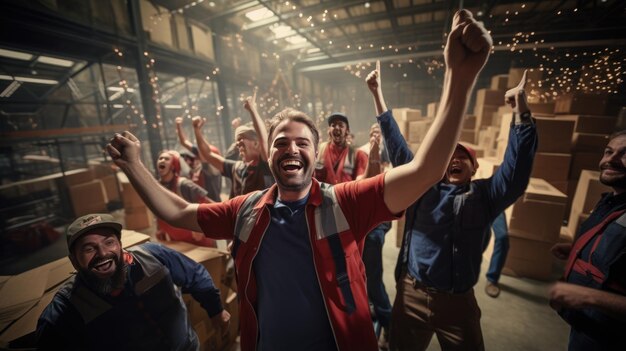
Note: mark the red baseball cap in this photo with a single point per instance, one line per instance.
(471, 152)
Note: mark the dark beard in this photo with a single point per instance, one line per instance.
(106, 286)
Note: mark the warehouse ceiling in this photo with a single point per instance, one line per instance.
(323, 34)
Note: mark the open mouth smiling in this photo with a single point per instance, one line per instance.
(291, 165)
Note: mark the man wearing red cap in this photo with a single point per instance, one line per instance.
(447, 230)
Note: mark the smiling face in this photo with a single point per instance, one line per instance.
(460, 169)
(338, 132)
(97, 256)
(613, 164)
(292, 158)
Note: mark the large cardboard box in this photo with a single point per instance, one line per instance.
(528, 258)
(78, 176)
(584, 160)
(88, 198)
(591, 124)
(555, 135)
(536, 220)
(580, 103)
(499, 82)
(551, 166)
(403, 116)
(588, 192)
(541, 108)
(487, 138)
(540, 190)
(130, 197)
(137, 218)
(469, 122)
(589, 142)
(418, 130)
(468, 136)
(484, 115)
(489, 97)
(486, 167)
(111, 187)
(431, 109)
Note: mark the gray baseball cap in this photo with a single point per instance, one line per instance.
(89, 222)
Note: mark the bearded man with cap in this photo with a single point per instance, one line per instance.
(447, 230)
(250, 173)
(125, 299)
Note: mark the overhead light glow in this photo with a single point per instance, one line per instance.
(16, 55)
(173, 106)
(55, 61)
(282, 31)
(313, 50)
(259, 14)
(295, 39)
(130, 90)
(29, 80)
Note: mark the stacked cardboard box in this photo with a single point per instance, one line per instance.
(534, 222)
(137, 215)
(588, 192)
(405, 115)
(215, 262)
(581, 103)
(431, 109)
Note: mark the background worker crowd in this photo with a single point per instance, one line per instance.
(287, 238)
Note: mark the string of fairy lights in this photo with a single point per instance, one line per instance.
(556, 71)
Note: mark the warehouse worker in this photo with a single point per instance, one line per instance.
(447, 230)
(592, 298)
(296, 245)
(125, 299)
(168, 170)
(250, 173)
(200, 171)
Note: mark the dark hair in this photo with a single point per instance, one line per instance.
(617, 134)
(295, 116)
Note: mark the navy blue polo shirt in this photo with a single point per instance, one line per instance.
(290, 306)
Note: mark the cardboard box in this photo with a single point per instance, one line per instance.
(486, 167)
(418, 129)
(137, 218)
(484, 115)
(468, 136)
(540, 190)
(591, 124)
(528, 258)
(499, 82)
(541, 108)
(536, 220)
(551, 166)
(580, 104)
(400, 223)
(431, 109)
(584, 161)
(489, 97)
(78, 176)
(562, 186)
(555, 135)
(588, 192)
(130, 197)
(111, 187)
(88, 198)
(589, 142)
(469, 122)
(487, 137)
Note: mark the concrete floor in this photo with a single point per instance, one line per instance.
(519, 319)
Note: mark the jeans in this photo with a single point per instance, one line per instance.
(500, 248)
(373, 260)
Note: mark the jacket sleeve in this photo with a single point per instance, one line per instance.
(191, 276)
(397, 148)
(511, 179)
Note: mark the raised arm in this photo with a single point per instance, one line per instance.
(125, 150)
(181, 134)
(204, 148)
(511, 179)
(374, 81)
(259, 126)
(465, 54)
